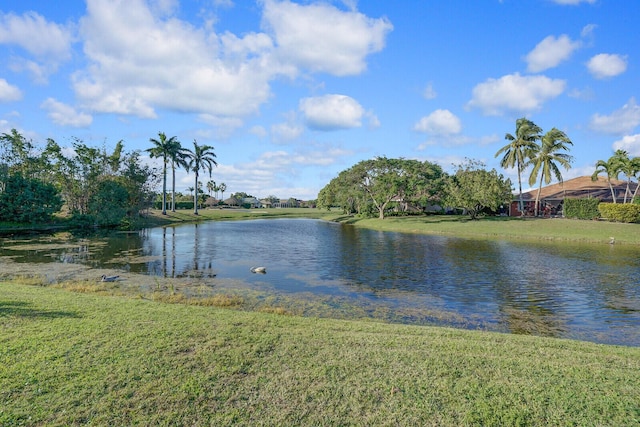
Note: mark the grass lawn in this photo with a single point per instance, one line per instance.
(75, 358)
(85, 359)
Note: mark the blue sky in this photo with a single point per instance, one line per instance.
(290, 93)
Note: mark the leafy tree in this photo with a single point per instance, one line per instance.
(547, 157)
(17, 152)
(109, 204)
(139, 180)
(166, 149)
(372, 185)
(520, 149)
(28, 200)
(201, 158)
(474, 189)
(222, 187)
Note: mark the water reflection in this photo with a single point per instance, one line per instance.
(589, 292)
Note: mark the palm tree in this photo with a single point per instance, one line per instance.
(630, 167)
(521, 147)
(201, 158)
(211, 186)
(177, 155)
(635, 170)
(547, 158)
(612, 168)
(222, 187)
(163, 147)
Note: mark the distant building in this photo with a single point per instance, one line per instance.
(552, 196)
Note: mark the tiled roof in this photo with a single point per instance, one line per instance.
(581, 187)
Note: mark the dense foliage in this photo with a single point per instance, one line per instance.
(27, 200)
(96, 187)
(581, 208)
(373, 186)
(617, 212)
(475, 189)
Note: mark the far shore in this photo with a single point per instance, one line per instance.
(548, 229)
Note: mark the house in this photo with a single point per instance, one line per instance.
(252, 201)
(552, 196)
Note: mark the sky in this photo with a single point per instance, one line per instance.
(291, 93)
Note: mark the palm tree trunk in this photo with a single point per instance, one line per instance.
(164, 190)
(538, 195)
(195, 197)
(520, 190)
(613, 193)
(173, 188)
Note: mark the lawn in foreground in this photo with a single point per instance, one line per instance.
(84, 359)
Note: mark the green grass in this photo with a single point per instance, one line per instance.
(84, 359)
(560, 229)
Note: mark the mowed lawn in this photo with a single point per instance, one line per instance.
(84, 359)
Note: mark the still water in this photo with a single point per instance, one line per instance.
(588, 292)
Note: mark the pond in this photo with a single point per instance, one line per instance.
(580, 291)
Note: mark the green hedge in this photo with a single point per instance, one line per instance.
(620, 212)
(179, 205)
(581, 208)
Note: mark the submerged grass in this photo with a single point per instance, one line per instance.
(83, 359)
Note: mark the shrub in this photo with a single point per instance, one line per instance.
(620, 212)
(581, 208)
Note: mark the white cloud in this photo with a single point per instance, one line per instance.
(285, 132)
(332, 112)
(516, 93)
(322, 38)
(629, 143)
(607, 65)
(550, 52)
(439, 122)
(621, 121)
(49, 42)
(143, 58)
(65, 115)
(36, 35)
(9, 92)
(140, 62)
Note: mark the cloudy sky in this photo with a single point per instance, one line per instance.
(290, 93)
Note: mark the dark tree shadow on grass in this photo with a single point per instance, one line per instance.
(26, 310)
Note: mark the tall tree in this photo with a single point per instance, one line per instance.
(521, 147)
(211, 186)
(630, 167)
(163, 148)
(548, 157)
(222, 187)
(612, 168)
(473, 188)
(178, 156)
(201, 158)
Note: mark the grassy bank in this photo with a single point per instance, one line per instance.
(560, 229)
(83, 359)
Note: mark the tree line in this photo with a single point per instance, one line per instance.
(93, 186)
(372, 186)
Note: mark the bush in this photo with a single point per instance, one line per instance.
(620, 212)
(581, 208)
(27, 200)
